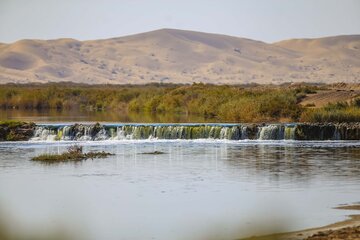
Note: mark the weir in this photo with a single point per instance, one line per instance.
(98, 132)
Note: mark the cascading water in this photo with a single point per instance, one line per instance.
(127, 132)
(289, 132)
(82, 132)
(271, 132)
(46, 134)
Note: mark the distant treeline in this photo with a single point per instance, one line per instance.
(224, 103)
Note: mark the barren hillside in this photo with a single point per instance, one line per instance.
(180, 56)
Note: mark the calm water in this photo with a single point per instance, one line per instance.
(100, 116)
(201, 189)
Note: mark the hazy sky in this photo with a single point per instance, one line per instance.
(266, 20)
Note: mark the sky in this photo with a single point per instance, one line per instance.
(265, 20)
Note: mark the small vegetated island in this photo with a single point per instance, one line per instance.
(73, 154)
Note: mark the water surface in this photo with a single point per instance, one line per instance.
(198, 189)
(54, 115)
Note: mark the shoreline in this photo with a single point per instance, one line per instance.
(347, 229)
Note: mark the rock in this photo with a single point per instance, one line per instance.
(252, 131)
(315, 131)
(16, 131)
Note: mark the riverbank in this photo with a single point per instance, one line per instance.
(348, 229)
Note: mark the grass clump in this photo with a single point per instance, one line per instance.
(73, 153)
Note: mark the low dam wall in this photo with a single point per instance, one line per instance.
(98, 132)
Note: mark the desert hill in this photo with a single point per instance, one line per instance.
(179, 56)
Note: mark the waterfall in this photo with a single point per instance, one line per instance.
(126, 132)
(87, 134)
(337, 135)
(66, 133)
(244, 134)
(271, 132)
(97, 132)
(45, 134)
(120, 134)
(289, 132)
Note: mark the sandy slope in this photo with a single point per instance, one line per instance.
(322, 98)
(340, 92)
(179, 56)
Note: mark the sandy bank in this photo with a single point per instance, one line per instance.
(345, 230)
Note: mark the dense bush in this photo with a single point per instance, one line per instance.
(222, 103)
(71, 97)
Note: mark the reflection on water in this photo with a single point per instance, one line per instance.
(298, 163)
(97, 116)
(196, 189)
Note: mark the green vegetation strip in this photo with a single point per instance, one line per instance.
(220, 103)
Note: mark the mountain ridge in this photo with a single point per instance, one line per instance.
(181, 56)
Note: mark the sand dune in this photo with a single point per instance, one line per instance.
(179, 56)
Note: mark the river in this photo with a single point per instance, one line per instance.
(196, 189)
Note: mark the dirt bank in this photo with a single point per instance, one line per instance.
(344, 230)
(340, 92)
